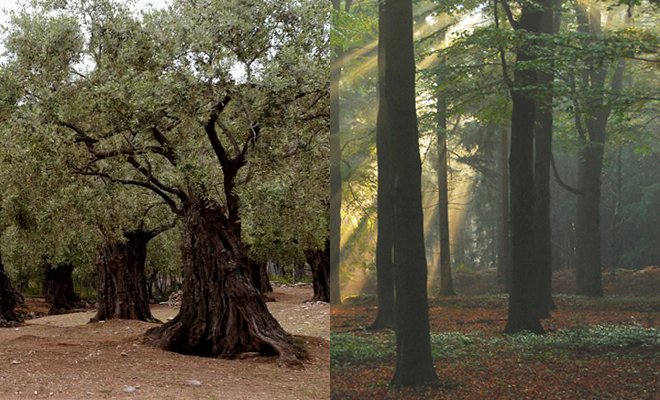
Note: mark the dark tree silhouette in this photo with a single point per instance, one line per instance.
(543, 155)
(319, 262)
(58, 289)
(446, 280)
(503, 233)
(523, 305)
(259, 276)
(384, 268)
(591, 123)
(9, 299)
(335, 170)
(414, 365)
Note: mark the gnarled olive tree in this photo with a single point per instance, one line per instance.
(186, 104)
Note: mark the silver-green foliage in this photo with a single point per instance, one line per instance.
(95, 72)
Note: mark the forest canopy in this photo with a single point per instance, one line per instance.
(466, 52)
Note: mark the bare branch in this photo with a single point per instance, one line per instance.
(558, 179)
(168, 200)
(160, 229)
(230, 136)
(166, 150)
(212, 133)
(152, 179)
(509, 15)
(251, 137)
(81, 137)
(500, 48)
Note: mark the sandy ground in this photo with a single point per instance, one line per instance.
(64, 357)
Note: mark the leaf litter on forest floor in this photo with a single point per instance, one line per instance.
(594, 350)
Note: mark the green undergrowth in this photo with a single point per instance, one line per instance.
(627, 303)
(609, 340)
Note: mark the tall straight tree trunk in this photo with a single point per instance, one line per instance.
(458, 241)
(414, 364)
(503, 238)
(587, 221)
(58, 289)
(222, 314)
(384, 267)
(122, 285)
(591, 129)
(587, 224)
(523, 312)
(335, 171)
(616, 212)
(543, 155)
(319, 262)
(9, 299)
(446, 281)
(542, 236)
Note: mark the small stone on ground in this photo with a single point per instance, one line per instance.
(129, 389)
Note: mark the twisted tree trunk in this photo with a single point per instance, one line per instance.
(58, 288)
(259, 277)
(319, 262)
(122, 285)
(222, 313)
(9, 299)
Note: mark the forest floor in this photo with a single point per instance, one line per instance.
(605, 348)
(64, 357)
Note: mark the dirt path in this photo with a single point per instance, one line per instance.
(63, 357)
